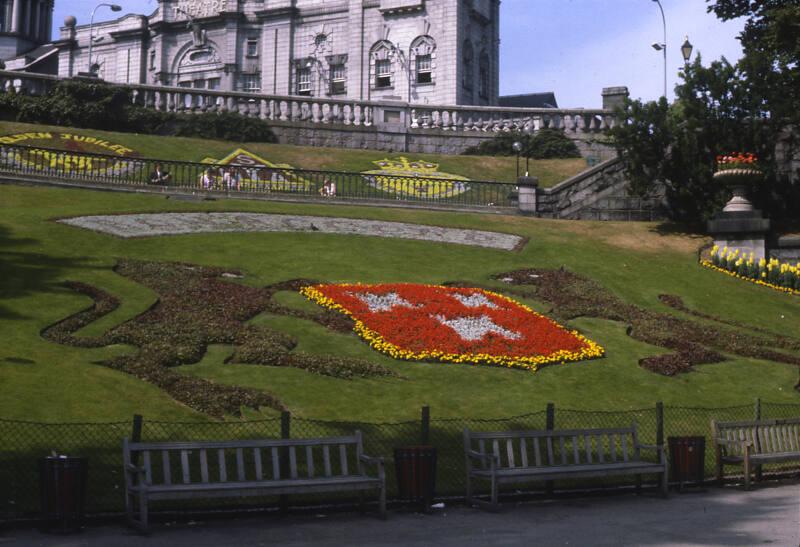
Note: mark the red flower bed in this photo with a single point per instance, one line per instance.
(453, 324)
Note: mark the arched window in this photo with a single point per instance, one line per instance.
(422, 57)
(382, 65)
(469, 68)
(483, 75)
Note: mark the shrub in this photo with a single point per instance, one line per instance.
(544, 144)
(93, 105)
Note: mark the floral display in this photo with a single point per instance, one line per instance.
(769, 273)
(449, 324)
(737, 160)
(418, 179)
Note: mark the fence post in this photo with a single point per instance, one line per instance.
(286, 422)
(136, 436)
(660, 423)
(551, 425)
(425, 425)
(758, 417)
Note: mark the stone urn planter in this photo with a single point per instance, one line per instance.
(737, 180)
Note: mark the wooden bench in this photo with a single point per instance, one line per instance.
(754, 443)
(206, 469)
(502, 457)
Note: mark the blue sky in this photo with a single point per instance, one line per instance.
(571, 47)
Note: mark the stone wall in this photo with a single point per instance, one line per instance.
(416, 141)
(600, 193)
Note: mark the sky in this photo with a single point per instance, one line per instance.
(574, 48)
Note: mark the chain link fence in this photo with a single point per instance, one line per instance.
(23, 444)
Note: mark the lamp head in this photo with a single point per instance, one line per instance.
(517, 147)
(686, 49)
(116, 7)
(656, 46)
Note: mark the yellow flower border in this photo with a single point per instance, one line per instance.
(377, 342)
(709, 265)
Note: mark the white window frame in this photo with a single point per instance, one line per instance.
(338, 79)
(424, 66)
(383, 70)
(304, 81)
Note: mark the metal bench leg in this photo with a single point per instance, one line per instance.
(129, 507)
(382, 501)
(495, 505)
(143, 519)
(747, 472)
(665, 484)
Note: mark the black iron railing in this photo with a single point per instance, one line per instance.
(253, 179)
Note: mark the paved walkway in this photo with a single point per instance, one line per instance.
(145, 225)
(730, 516)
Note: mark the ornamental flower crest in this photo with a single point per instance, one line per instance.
(450, 324)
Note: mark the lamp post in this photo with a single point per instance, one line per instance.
(517, 147)
(663, 45)
(686, 50)
(114, 7)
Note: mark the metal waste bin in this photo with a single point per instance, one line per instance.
(63, 489)
(687, 456)
(415, 467)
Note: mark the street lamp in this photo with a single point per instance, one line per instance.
(517, 147)
(686, 50)
(663, 45)
(114, 7)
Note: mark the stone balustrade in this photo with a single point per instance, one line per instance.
(338, 112)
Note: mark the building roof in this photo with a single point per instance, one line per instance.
(529, 100)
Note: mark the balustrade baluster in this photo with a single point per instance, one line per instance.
(349, 115)
(284, 109)
(368, 116)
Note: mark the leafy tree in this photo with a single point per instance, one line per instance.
(719, 109)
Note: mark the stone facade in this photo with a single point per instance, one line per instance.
(417, 51)
(24, 25)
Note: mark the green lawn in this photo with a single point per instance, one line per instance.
(503, 169)
(49, 382)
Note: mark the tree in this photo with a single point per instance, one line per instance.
(720, 109)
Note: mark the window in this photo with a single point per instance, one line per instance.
(424, 66)
(338, 79)
(383, 73)
(250, 83)
(214, 83)
(304, 81)
(483, 81)
(152, 59)
(252, 47)
(469, 73)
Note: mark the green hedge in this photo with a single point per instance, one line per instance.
(544, 144)
(93, 105)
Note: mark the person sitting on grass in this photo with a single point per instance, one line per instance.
(328, 188)
(207, 179)
(159, 176)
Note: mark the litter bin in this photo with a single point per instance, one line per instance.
(687, 456)
(63, 489)
(415, 467)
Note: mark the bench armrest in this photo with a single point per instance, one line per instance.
(660, 448)
(741, 442)
(483, 456)
(377, 462)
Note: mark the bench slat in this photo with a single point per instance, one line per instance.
(562, 450)
(276, 464)
(240, 464)
(257, 463)
(223, 470)
(148, 473)
(310, 461)
(537, 452)
(326, 459)
(482, 450)
(165, 463)
(600, 448)
(252, 443)
(587, 446)
(488, 435)
(624, 440)
(523, 451)
(292, 462)
(203, 466)
(496, 449)
(510, 452)
(550, 459)
(343, 459)
(575, 451)
(612, 448)
(185, 466)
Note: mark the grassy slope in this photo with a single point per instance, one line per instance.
(550, 172)
(633, 259)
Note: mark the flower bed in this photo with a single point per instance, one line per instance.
(773, 274)
(459, 325)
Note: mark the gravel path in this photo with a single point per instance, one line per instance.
(146, 225)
